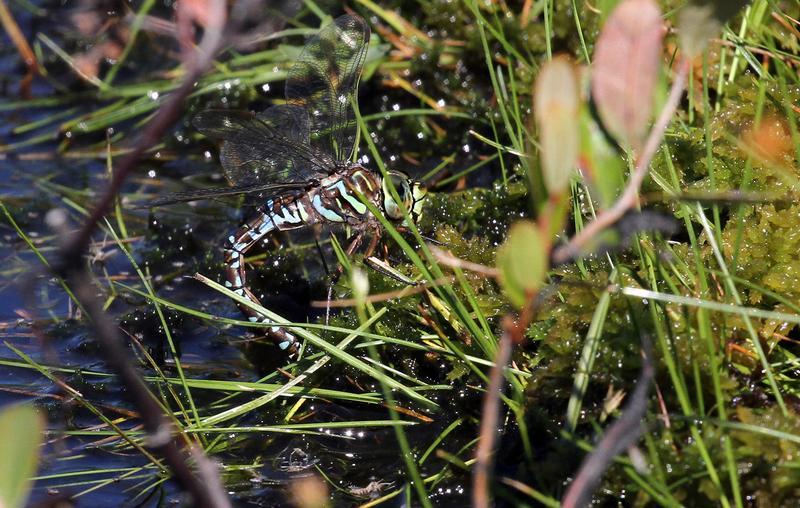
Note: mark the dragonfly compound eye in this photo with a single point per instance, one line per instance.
(401, 185)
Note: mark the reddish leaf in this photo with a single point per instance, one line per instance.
(626, 64)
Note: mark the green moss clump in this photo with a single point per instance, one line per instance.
(764, 242)
(768, 466)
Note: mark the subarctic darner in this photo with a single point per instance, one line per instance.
(295, 159)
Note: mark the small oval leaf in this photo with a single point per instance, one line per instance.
(522, 262)
(21, 429)
(627, 59)
(556, 105)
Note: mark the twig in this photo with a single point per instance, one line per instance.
(629, 197)
(381, 297)
(447, 258)
(490, 415)
(620, 436)
(513, 333)
(160, 429)
(203, 484)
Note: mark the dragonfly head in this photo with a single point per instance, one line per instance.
(411, 193)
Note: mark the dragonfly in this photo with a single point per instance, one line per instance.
(295, 161)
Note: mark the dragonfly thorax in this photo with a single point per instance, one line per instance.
(340, 197)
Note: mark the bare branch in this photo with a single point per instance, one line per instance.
(513, 334)
(201, 480)
(160, 429)
(619, 437)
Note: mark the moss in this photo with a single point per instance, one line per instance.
(764, 242)
(768, 465)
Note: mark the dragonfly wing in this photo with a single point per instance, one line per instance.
(324, 81)
(267, 149)
(259, 191)
(290, 119)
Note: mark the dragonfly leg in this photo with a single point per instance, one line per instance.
(382, 266)
(373, 244)
(405, 230)
(236, 247)
(322, 257)
(355, 243)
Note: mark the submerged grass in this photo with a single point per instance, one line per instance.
(722, 309)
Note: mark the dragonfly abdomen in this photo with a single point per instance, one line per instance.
(278, 214)
(334, 200)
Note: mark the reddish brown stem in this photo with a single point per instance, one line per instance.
(513, 333)
(192, 470)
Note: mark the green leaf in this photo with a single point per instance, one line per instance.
(21, 429)
(701, 20)
(522, 262)
(602, 166)
(556, 105)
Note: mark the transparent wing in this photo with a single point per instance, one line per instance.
(259, 192)
(324, 81)
(266, 149)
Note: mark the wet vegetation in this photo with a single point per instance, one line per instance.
(384, 404)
